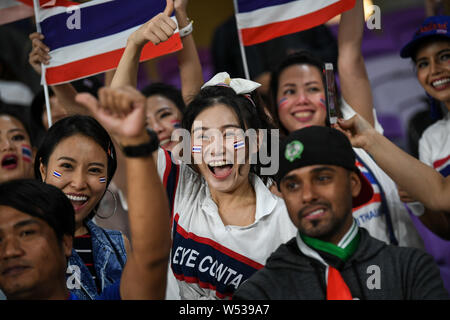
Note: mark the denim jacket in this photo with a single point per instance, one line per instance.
(109, 256)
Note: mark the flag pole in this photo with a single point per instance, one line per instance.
(243, 55)
(43, 80)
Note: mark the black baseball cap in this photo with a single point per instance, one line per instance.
(321, 145)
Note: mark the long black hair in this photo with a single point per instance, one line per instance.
(70, 126)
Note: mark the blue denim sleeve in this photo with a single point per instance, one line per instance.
(111, 292)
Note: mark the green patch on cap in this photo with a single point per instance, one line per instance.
(294, 150)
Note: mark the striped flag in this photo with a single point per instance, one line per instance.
(56, 174)
(27, 154)
(196, 149)
(282, 102)
(443, 166)
(263, 20)
(239, 144)
(89, 38)
(176, 123)
(11, 10)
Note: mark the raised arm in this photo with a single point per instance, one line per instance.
(159, 29)
(355, 85)
(188, 60)
(420, 181)
(121, 112)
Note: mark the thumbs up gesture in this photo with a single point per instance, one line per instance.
(121, 111)
(158, 29)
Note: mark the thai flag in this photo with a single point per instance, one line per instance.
(27, 155)
(89, 38)
(176, 124)
(57, 174)
(102, 180)
(196, 149)
(283, 101)
(443, 166)
(263, 20)
(11, 10)
(239, 144)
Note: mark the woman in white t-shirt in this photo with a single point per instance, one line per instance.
(225, 221)
(429, 50)
(298, 100)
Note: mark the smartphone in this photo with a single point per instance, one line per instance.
(331, 95)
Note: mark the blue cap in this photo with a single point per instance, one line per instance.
(432, 26)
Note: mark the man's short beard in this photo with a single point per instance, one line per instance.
(331, 229)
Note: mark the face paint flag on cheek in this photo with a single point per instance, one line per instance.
(282, 102)
(102, 180)
(27, 155)
(239, 144)
(57, 174)
(196, 149)
(323, 103)
(176, 124)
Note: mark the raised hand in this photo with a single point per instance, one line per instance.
(121, 111)
(158, 29)
(39, 52)
(356, 129)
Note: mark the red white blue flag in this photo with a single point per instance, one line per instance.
(27, 154)
(443, 166)
(263, 20)
(89, 38)
(12, 10)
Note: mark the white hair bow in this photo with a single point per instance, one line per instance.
(240, 86)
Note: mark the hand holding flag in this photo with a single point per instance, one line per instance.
(86, 46)
(39, 52)
(158, 29)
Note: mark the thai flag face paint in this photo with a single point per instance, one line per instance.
(283, 102)
(57, 174)
(27, 154)
(196, 149)
(102, 180)
(239, 145)
(323, 103)
(176, 123)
